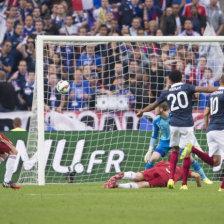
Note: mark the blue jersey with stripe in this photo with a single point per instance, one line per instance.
(216, 105)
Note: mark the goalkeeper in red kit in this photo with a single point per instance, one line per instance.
(7, 149)
(157, 176)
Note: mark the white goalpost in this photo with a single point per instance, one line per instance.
(92, 132)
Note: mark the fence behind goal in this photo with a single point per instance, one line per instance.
(92, 132)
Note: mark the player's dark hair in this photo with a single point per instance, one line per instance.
(175, 76)
(164, 106)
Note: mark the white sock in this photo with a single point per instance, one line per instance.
(9, 168)
(129, 175)
(1, 160)
(128, 185)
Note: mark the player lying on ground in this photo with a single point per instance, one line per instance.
(161, 123)
(179, 99)
(7, 149)
(157, 176)
(215, 130)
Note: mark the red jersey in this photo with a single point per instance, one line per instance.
(187, 10)
(158, 176)
(3, 147)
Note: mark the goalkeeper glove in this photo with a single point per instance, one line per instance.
(148, 155)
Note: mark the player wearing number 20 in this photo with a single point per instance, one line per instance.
(179, 98)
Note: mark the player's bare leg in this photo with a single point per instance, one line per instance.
(173, 164)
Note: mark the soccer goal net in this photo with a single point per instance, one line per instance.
(92, 131)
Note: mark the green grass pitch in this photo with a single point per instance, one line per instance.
(89, 203)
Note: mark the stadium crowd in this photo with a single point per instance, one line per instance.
(136, 70)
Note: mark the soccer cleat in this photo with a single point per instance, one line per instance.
(187, 150)
(110, 185)
(170, 184)
(116, 177)
(220, 189)
(10, 184)
(184, 187)
(207, 181)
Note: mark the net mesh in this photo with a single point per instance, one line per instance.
(92, 131)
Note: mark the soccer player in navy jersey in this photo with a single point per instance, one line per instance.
(215, 130)
(179, 99)
(161, 124)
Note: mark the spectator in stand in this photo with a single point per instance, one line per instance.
(198, 21)
(22, 9)
(69, 28)
(188, 29)
(173, 22)
(201, 9)
(9, 28)
(140, 90)
(207, 80)
(80, 18)
(17, 36)
(125, 30)
(53, 100)
(151, 12)
(28, 27)
(96, 88)
(128, 10)
(114, 57)
(25, 95)
(27, 49)
(7, 94)
(36, 14)
(79, 92)
(198, 71)
(109, 19)
(82, 31)
(90, 58)
(12, 14)
(19, 79)
(6, 57)
(156, 77)
(153, 26)
(215, 17)
(121, 90)
(132, 68)
(59, 21)
(103, 30)
(114, 28)
(135, 25)
(100, 14)
(39, 28)
(190, 63)
(54, 11)
(49, 27)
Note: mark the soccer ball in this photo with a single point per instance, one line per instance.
(63, 86)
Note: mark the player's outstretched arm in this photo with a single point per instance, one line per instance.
(9, 144)
(206, 115)
(197, 178)
(208, 89)
(150, 107)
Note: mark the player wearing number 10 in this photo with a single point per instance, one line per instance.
(179, 99)
(215, 130)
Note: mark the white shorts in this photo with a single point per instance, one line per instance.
(180, 136)
(215, 140)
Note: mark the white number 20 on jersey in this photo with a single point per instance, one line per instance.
(180, 98)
